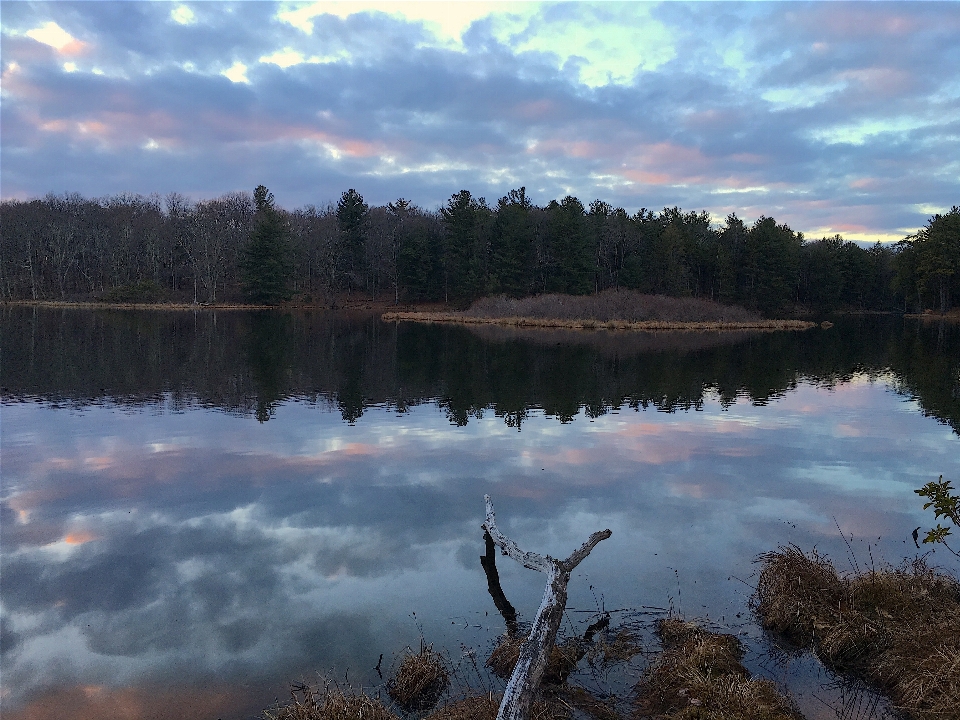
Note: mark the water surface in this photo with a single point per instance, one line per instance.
(199, 508)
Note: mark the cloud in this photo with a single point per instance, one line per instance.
(759, 109)
(56, 37)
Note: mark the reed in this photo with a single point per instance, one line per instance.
(700, 676)
(896, 628)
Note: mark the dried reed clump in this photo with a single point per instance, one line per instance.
(485, 707)
(606, 708)
(699, 676)
(562, 661)
(329, 704)
(610, 306)
(897, 628)
(482, 707)
(620, 647)
(419, 681)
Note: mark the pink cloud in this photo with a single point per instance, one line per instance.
(535, 109)
(848, 21)
(882, 81)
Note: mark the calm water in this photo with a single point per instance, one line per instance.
(197, 509)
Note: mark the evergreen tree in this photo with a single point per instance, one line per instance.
(511, 251)
(571, 249)
(939, 256)
(731, 248)
(772, 264)
(464, 218)
(821, 279)
(265, 265)
(351, 217)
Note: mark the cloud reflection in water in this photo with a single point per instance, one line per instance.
(145, 548)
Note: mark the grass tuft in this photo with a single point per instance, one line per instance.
(485, 707)
(700, 676)
(897, 628)
(329, 704)
(419, 681)
(562, 661)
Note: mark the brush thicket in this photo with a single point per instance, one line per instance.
(611, 305)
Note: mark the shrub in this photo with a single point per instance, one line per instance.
(142, 291)
(611, 306)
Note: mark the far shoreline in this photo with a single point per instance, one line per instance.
(439, 312)
(428, 317)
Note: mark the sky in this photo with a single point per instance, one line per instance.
(832, 117)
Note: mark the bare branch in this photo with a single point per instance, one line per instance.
(577, 556)
(530, 560)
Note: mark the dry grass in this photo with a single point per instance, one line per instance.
(329, 704)
(485, 707)
(952, 315)
(609, 310)
(898, 628)
(616, 648)
(419, 681)
(700, 676)
(562, 661)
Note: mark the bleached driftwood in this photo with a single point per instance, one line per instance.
(525, 680)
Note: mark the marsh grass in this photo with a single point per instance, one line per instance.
(563, 659)
(329, 703)
(697, 676)
(420, 680)
(485, 707)
(896, 628)
(700, 676)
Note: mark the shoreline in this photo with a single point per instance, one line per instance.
(639, 325)
(447, 316)
(96, 305)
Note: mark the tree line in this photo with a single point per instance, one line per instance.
(243, 246)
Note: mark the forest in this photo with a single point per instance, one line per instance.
(241, 247)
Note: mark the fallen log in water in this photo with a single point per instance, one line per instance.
(525, 680)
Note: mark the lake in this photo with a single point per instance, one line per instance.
(199, 508)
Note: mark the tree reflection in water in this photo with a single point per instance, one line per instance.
(249, 362)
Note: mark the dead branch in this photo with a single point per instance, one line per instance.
(525, 680)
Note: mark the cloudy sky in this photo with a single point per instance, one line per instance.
(832, 117)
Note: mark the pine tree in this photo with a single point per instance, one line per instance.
(351, 221)
(265, 264)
